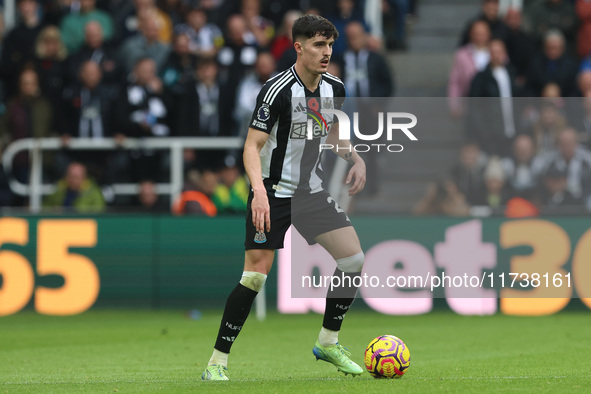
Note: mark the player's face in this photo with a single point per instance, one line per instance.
(316, 53)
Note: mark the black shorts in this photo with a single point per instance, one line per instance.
(311, 215)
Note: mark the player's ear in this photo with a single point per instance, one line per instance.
(298, 47)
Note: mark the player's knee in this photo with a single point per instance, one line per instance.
(352, 263)
(253, 280)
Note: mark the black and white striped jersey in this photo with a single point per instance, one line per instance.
(290, 161)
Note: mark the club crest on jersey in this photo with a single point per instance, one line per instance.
(260, 237)
(264, 112)
(327, 103)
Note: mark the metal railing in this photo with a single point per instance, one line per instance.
(36, 189)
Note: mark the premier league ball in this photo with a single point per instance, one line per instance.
(387, 357)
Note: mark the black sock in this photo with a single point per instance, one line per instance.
(237, 309)
(339, 299)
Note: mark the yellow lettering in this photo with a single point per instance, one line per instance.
(551, 250)
(18, 278)
(81, 277)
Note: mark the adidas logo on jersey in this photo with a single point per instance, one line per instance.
(299, 108)
(229, 339)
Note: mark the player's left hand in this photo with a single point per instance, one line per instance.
(357, 175)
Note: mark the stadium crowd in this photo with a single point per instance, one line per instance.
(149, 68)
(157, 68)
(521, 83)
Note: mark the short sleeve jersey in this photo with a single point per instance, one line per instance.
(291, 157)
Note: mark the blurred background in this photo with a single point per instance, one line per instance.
(131, 114)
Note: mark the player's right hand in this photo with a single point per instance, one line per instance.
(261, 213)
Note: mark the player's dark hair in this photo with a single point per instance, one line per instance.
(309, 26)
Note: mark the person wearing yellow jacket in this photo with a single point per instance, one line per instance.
(76, 192)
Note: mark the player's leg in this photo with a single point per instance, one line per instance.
(344, 246)
(257, 264)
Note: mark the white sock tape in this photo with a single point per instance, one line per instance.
(352, 263)
(253, 280)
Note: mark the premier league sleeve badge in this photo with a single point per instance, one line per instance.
(264, 113)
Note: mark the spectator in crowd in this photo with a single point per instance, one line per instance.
(467, 175)
(571, 158)
(143, 45)
(175, 9)
(518, 168)
(248, 90)
(552, 90)
(506, 5)
(367, 73)
(583, 119)
(217, 12)
(442, 199)
(231, 193)
(163, 22)
(180, 66)
(554, 188)
(583, 9)
(550, 124)
(148, 201)
(520, 46)
(584, 82)
(468, 60)
(585, 64)
(205, 39)
(199, 114)
(88, 106)
(124, 19)
(553, 64)
(28, 115)
(141, 111)
(494, 183)
(18, 47)
(238, 56)
(347, 11)
(283, 41)
(196, 196)
(73, 25)
(95, 49)
(490, 15)
(50, 64)
(262, 28)
(128, 20)
(492, 122)
(76, 192)
(544, 16)
(396, 11)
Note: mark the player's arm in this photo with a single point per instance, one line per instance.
(344, 149)
(255, 140)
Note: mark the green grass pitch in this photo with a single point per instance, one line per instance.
(164, 351)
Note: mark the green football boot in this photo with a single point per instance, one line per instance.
(215, 372)
(338, 356)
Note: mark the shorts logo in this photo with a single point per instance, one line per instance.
(260, 237)
(264, 113)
